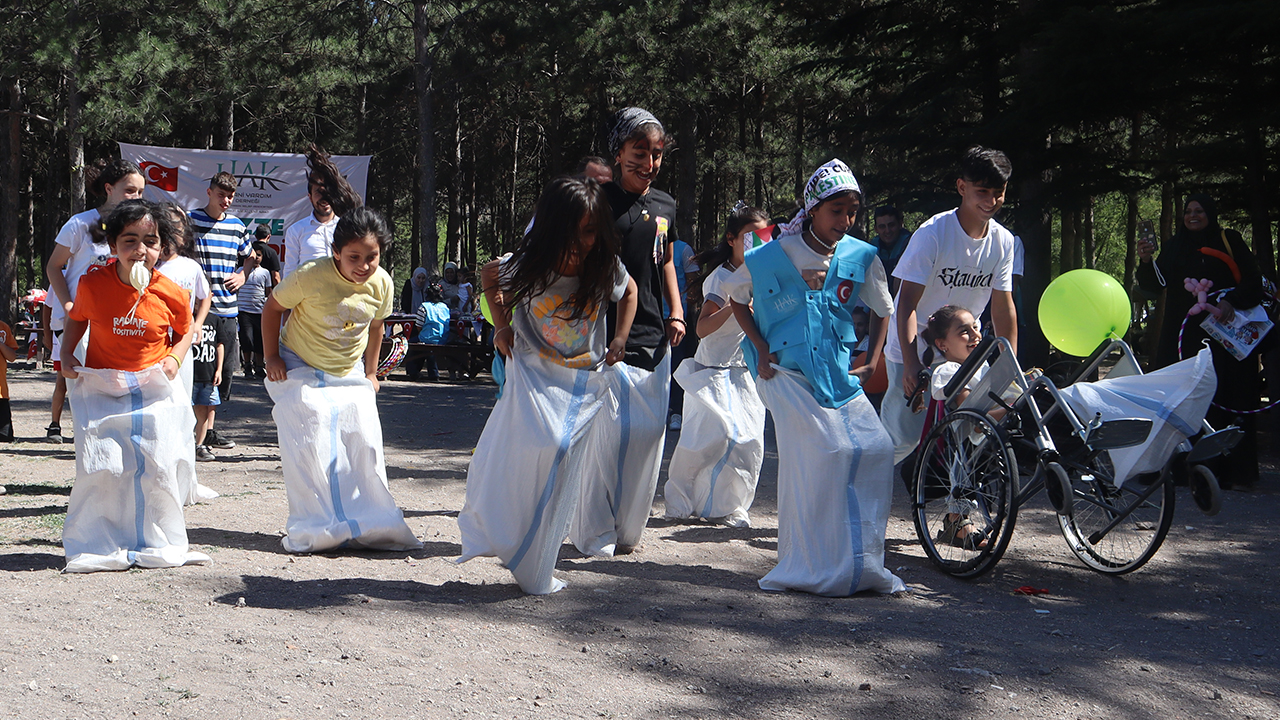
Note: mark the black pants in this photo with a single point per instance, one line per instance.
(231, 354)
(250, 332)
(6, 421)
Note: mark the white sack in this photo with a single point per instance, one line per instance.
(1176, 398)
(835, 485)
(334, 475)
(716, 464)
(189, 489)
(525, 476)
(625, 453)
(132, 432)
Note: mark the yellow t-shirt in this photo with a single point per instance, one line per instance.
(329, 325)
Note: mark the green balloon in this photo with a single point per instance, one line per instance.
(1081, 309)
(484, 308)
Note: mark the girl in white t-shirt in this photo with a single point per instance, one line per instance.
(81, 245)
(953, 331)
(716, 465)
(549, 301)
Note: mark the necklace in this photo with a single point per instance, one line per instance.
(830, 248)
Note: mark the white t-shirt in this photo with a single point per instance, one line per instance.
(85, 253)
(252, 296)
(720, 348)
(874, 291)
(542, 326)
(188, 275)
(306, 240)
(954, 269)
(1018, 253)
(943, 373)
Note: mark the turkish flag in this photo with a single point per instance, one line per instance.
(165, 178)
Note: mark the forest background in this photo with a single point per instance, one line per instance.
(1110, 111)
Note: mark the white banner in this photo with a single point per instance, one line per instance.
(273, 186)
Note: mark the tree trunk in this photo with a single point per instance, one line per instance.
(1131, 240)
(9, 201)
(1067, 258)
(423, 67)
(453, 228)
(687, 200)
(1086, 234)
(1259, 206)
(415, 248)
(1168, 211)
(75, 105)
(224, 132)
(515, 175)
(473, 219)
(741, 111)
(759, 158)
(797, 160)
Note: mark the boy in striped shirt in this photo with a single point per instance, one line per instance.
(222, 241)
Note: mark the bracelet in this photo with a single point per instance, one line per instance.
(176, 359)
(676, 319)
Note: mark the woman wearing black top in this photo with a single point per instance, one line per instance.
(615, 500)
(1202, 249)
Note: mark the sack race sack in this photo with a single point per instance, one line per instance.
(625, 454)
(1176, 398)
(190, 490)
(716, 464)
(835, 485)
(334, 473)
(133, 430)
(526, 473)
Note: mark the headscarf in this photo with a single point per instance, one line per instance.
(834, 177)
(418, 281)
(625, 122)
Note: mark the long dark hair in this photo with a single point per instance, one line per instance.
(335, 188)
(132, 211)
(738, 219)
(184, 237)
(361, 222)
(536, 262)
(108, 172)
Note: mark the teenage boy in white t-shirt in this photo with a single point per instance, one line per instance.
(962, 257)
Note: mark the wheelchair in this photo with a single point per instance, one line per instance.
(1016, 434)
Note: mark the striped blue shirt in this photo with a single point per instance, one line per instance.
(219, 245)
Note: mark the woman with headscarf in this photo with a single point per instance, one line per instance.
(411, 295)
(615, 501)
(1202, 249)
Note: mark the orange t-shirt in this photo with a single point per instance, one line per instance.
(6, 338)
(118, 341)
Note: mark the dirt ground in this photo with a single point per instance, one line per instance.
(678, 629)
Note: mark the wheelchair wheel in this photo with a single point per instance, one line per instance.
(1097, 501)
(965, 473)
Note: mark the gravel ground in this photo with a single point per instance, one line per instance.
(678, 629)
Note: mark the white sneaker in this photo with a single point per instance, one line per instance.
(674, 423)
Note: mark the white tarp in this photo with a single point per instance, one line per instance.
(334, 473)
(132, 432)
(1175, 397)
(273, 186)
(835, 484)
(716, 464)
(625, 454)
(525, 476)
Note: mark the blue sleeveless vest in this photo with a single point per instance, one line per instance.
(809, 330)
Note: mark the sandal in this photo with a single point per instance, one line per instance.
(951, 531)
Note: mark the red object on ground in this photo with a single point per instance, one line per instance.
(1028, 590)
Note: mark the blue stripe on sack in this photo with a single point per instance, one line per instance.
(855, 511)
(566, 435)
(335, 491)
(1161, 410)
(139, 460)
(733, 442)
(624, 414)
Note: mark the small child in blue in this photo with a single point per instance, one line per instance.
(433, 319)
(794, 299)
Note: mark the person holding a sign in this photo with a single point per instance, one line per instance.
(1202, 249)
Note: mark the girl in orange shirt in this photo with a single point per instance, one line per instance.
(133, 420)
